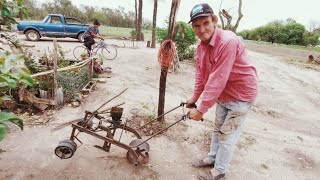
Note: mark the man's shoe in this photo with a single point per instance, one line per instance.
(210, 175)
(203, 163)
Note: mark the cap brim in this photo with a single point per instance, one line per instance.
(200, 15)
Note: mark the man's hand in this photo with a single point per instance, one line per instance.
(190, 103)
(195, 114)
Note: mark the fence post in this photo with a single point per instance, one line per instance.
(55, 72)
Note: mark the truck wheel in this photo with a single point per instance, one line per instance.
(32, 35)
(80, 37)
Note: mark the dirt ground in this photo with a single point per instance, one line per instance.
(280, 140)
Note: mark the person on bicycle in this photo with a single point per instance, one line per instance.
(91, 33)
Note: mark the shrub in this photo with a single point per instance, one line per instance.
(184, 45)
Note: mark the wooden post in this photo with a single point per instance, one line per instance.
(163, 77)
(55, 71)
(91, 67)
(162, 94)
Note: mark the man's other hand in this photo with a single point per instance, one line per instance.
(195, 115)
(190, 103)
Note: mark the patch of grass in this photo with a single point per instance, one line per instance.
(117, 32)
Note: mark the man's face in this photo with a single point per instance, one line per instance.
(96, 26)
(204, 27)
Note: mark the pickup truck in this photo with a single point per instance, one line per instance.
(53, 25)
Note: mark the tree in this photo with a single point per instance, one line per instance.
(316, 31)
(136, 14)
(310, 38)
(164, 59)
(154, 24)
(225, 16)
(139, 27)
(270, 33)
(8, 10)
(245, 34)
(33, 11)
(295, 32)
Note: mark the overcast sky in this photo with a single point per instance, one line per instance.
(256, 12)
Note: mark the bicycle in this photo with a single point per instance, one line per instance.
(106, 51)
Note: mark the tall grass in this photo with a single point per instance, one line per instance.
(117, 32)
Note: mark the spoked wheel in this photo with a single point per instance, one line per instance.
(65, 149)
(80, 53)
(142, 151)
(109, 52)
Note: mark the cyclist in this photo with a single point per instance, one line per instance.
(91, 33)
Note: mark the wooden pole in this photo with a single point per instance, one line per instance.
(162, 94)
(55, 71)
(163, 77)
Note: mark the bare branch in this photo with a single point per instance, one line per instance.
(221, 19)
(234, 29)
(228, 17)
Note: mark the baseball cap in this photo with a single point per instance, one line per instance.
(200, 10)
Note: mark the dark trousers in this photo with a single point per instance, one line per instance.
(88, 42)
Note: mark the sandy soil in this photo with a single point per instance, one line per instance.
(280, 139)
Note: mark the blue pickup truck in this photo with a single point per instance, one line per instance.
(53, 25)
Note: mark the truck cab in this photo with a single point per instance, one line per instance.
(53, 25)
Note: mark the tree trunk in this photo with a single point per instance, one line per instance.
(154, 24)
(224, 14)
(228, 18)
(172, 19)
(20, 15)
(139, 29)
(221, 19)
(136, 15)
(163, 77)
(162, 93)
(240, 15)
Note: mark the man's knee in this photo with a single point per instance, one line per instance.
(226, 141)
(92, 42)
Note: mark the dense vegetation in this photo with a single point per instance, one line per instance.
(283, 32)
(111, 17)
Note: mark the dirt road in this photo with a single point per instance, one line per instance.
(280, 140)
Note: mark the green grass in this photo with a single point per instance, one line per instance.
(314, 49)
(117, 32)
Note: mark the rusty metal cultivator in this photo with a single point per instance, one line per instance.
(137, 150)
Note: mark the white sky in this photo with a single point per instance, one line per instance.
(256, 12)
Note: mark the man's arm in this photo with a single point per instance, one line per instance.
(218, 76)
(95, 34)
(199, 86)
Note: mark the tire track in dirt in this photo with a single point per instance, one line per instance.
(289, 95)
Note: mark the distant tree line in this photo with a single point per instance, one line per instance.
(284, 32)
(111, 17)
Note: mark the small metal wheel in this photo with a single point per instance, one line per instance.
(142, 152)
(66, 149)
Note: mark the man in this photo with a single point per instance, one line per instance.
(91, 33)
(226, 77)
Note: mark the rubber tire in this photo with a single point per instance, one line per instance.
(105, 53)
(80, 37)
(32, 31)
(71, 145)
(77, 52)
